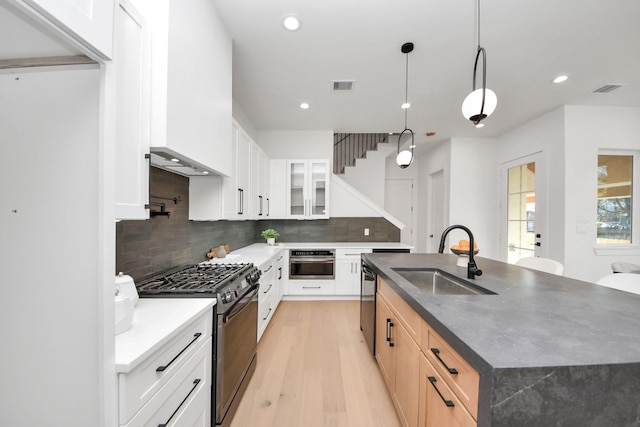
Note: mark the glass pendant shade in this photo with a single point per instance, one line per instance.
(472, 105)
(404, 158)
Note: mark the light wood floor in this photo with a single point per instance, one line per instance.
(314, 370)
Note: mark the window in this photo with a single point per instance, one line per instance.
(521, 210)
(615, 198)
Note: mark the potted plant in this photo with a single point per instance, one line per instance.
(271, 235)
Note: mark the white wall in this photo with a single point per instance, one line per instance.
(587, 130)
(543, 135)
(292, 144)
(244, 121)
(368, 175)
(474, 193)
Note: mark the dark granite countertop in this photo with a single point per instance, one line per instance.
(535, 319)
(550, 351)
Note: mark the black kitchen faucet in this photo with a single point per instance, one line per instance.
(472, 268)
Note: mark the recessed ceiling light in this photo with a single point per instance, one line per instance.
(304, 106)
(205, 172)
(175, 160)
(405, 106)
(291, 22)
(560, 79)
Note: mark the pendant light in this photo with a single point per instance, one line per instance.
(405, 157)
(480, 103)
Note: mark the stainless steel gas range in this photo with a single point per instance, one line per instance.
(235, 323)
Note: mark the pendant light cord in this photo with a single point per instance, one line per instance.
(478, 21)
(406, 89)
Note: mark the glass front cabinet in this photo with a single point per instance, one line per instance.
(308, 189)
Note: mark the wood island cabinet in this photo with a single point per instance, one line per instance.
(398, 355)
(429, 383)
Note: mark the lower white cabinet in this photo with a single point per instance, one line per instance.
(172, 385)
(311, 287)
(271, 289)
(181, 398)
(267, 295)
(348, 263)
(282, 262)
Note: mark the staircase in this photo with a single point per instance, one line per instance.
(347, 147)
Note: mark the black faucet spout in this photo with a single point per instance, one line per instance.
(472, 268)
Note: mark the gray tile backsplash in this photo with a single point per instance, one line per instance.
(144, 248)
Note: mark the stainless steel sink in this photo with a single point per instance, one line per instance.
(436, 282)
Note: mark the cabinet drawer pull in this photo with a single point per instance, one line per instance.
(265, 317)
(267, 270)
(311, 287)
(436, 352)
(449, 403)
(268, 289)
(195, 384)
(163, 367)
(389, 326)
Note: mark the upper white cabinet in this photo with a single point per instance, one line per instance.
(236, 187)
(308, 189)
(259, 182)
(277, 189)
(191, 82)
(87, 22)
(132, 70)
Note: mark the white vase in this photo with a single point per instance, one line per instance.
(271, 241)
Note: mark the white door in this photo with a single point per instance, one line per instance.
(399, 203)
(524, 216)
(436, 211)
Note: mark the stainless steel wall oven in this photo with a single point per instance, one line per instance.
(308, 264)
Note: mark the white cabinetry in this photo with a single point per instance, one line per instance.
(235, 187)
(131, 62)
(267, 295)
(191, 82)
(173, 383)
(278, 189)
(259, 182)
(271, 289)
(229, 197)
(311, 288)
(308, 189)
(348, 263)
(281, 274)
(87, 22)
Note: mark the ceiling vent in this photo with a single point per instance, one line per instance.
(607, 88)
(342, 84)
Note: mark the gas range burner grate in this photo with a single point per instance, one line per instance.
(192, 279)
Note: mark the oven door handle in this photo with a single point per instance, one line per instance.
(230, 313)
(315, 260)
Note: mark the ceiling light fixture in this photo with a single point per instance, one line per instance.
(304, 106)
(560, 79)
(405, 157)
(291, 22)
(480, 103)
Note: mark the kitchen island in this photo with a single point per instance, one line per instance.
(549, 350)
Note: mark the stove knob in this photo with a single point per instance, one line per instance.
(226, 297)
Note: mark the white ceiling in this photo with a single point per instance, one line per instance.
(595, 42)
(528, 43)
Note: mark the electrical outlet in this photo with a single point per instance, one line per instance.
(366, 231)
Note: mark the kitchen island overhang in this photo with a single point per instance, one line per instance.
(547, 348)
